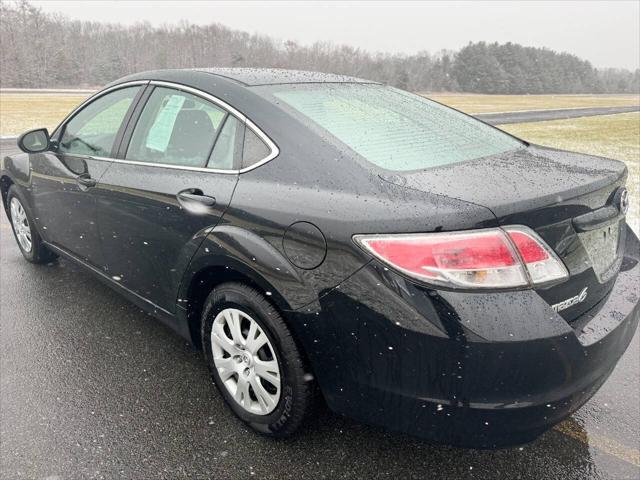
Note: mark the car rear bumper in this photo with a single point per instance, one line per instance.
(474, 370)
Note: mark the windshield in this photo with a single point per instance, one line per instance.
(391, 128)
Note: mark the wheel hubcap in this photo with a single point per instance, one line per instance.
(245, 361)
(21, 224)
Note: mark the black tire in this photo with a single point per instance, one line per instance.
(38, 253)
(297, 389)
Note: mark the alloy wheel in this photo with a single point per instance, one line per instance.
(245, 361)
(21, 224)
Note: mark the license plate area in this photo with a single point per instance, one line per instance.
(603, 249)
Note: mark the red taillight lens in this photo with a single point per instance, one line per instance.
(426, 255)
(475, 259)
(543, 265)
(530, 250)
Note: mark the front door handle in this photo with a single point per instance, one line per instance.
(86, 181)
(195, 195)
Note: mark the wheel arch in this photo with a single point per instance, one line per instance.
(215, 272)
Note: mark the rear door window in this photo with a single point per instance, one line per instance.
(176, 128)
(228, 148)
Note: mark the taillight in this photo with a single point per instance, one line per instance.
(513, 257)
(543, 265)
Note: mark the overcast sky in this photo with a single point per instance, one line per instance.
(607, 33)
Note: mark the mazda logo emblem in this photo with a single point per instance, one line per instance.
(621, 200)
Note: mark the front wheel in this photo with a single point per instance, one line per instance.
(254, 361)
(24, 230)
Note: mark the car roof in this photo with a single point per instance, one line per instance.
(274, 76)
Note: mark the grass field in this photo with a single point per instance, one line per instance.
(23, 111)
(613, 136)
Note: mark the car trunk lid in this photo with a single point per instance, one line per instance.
(567, 198)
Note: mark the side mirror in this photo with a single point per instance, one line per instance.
(34, 141)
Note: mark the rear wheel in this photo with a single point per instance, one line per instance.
(24, 230)
(254, 361)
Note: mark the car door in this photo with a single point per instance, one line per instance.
(172, 183)
(64, 179)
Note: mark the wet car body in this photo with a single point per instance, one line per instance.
(481, 369)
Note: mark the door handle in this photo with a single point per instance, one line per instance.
(85, 180)
(195, 195)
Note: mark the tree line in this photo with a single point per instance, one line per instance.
(40, 49)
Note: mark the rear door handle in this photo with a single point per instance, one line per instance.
(85, 180)
(195, 195)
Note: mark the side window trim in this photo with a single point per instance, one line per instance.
(135, 110)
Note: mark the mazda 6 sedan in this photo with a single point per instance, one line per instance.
(326, 237)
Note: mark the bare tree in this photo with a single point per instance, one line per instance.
(47, 50)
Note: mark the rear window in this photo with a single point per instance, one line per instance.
(391, 128)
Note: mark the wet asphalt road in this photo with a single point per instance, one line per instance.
(91, 387)
(545, 115)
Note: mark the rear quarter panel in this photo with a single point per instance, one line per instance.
(312, 181)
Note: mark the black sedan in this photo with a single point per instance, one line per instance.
(322, 236)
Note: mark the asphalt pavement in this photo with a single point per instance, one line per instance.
(504, 118)
(92, 387)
